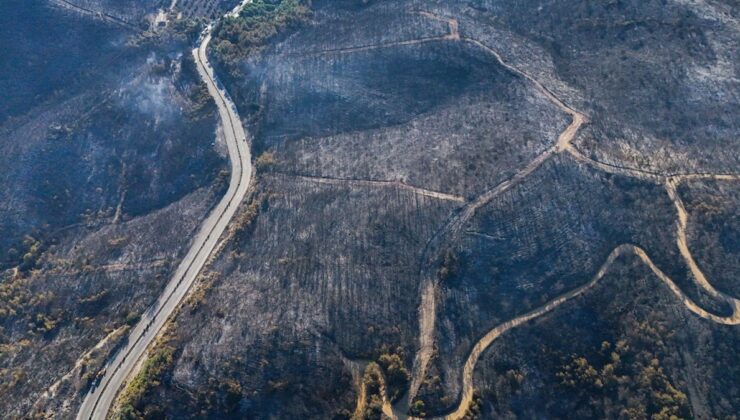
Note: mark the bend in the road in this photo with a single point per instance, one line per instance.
(100, 398)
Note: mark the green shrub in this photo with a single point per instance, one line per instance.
(150, 376)
(132, 318)
(239, 37)
(396, 375)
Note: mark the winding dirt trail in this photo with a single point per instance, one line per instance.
(671, 184)
(359, 380)
(436, 247)
(433, 256)
(492, 335)
(466, 398)
(453, 34)
(450, 232)
(453, 228)
(578, 119)
(434, 250)
(683, 247)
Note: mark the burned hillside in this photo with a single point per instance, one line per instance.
(460, 208)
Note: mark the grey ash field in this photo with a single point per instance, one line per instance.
(472, 209)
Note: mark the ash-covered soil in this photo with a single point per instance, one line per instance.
(328, 245)
(714, 231)
(110, 160)
(427, 171)
(658, 78)
(625, 348)
(90, 282)
(446, 105)
(540, 240)
(459, 139)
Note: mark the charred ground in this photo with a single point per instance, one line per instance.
(110, 160)
(400, 145)
(411, 111)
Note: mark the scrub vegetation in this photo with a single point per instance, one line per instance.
(246, 34)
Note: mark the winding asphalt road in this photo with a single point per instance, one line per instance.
(99, 399)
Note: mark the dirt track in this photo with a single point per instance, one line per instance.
(452, 229)
(492, 335)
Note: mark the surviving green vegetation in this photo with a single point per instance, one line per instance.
(626, 379)
(150, 376)
(396, 375)
(386, 377)
(373, 382)
(259, 21)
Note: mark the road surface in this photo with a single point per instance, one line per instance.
(99, 400)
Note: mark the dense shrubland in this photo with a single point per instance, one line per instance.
(259, 21)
